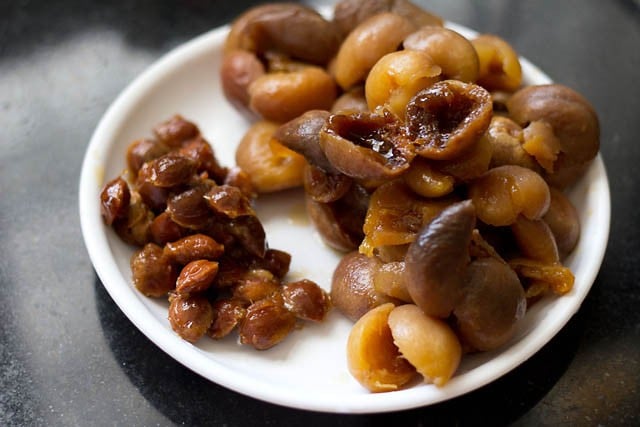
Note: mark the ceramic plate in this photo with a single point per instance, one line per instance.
(308, 370)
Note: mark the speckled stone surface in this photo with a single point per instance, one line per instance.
(68, 356)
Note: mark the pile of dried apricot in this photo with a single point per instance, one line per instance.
(425, 160)
(201, 243)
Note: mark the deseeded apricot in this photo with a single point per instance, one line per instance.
(397, 77)
(499, 64)
(373, 359)
(366, 44)
(427, 343)
(504, 192)
(271, 165)
(281, 96)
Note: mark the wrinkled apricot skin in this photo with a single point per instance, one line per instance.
(372, 357)
(366, 146)
(114, 200)
(447, 118)
(190, 316)
(197, 276)
(154, 275)
(325, 187)
(436, 262)
(267, 323)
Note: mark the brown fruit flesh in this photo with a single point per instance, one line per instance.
(436, 262)
(352, 288)
(493, 304)
(447, 118)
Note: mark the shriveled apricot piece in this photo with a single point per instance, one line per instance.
(114, 200)
(447, 118)
(373, 359)
(395, 216)
(540, 277)
(367, 146)
(190, 316)
(267, 322)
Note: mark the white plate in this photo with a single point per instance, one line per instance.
(308, 370)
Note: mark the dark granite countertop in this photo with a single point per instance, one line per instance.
(68, 355)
